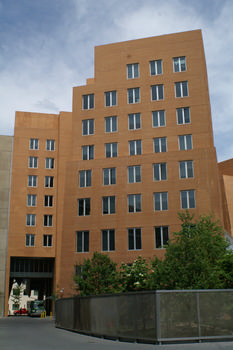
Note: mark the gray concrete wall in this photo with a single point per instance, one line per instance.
(5, 177)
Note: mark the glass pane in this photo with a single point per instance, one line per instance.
(80, 207)
(181, 142)
(84, 153)
(162, 118)
(152, 67)
(91, 98)
(154, 93)
(179, 115)
(164, 201)
(138, 173)
(158, 241)
(27, 240)
(88, 206)
(190, 168)
(184, 202)
(88, 177)
(176, 64)
(104, 240)
(139, 146)
(130, 71)
(32, 240)
(130, 96)
(189, 141)
(138, 238)
(91, 126)
(187, 115)
(107, 99)
(79, 241)
(131, 148)
(112, 205)
(163, 171)
(91, 152)
(105, 205)
(108, 150)
(137, 95)
(182, 170)
(182, 64)
(156, 172)
(34, 200)
(159, 67)
(113, 98)
(131, 239)
(130, 174)
(113, 176)
(131, 203)
(160, 92)
(156, 145)
(131, 121)
(84, 127)
(136, 70)
(112, 240)
(114, 123)
(86, 241)
(178, 90)
(85, 102)
(157, 201)
(114, 149)
(185, 88)
(106, 176)
(138, 120)
(155, 119)
(165, 235)
(138, 202)
(81, 179)
(163, 144)
(192, 199)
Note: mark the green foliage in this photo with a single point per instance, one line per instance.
(98, 276)
(16, 295)
(135, 276)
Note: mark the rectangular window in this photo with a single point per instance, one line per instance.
(181, 89)
(82, 239)
(111, 150)
(109, 176)
(49, 181)
(33, 162)
(134, 239)
(161, 236)
(134, 95)
(50, 145)
(84, 178)
(32, 180)
(186, 169)
(31, 200)
(158, 118)
(160, 201)
(48, 201)
(84, 206)
(108, 240)
(135, 147)
(34, 144)
(88, 152)
(187, 199)
(134, 121)
(111, 124)
(48, 220)
(134, 203)
(110, 98)
(179, 64)
(49, 163)
(160, 171)
(185, 142)
(156, 67)
(30, 240)
(109, 206)
(157, 92)
(183, 115)
(31, 220)
(134, 173)
(133, 71)
(88, 101)
(160, 144)
(88, 127)
(47, 240)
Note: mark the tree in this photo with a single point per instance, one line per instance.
(135, 276)
(196, 256)
(98, 276)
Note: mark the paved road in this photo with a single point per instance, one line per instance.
(24, 333)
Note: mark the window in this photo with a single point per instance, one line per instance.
(134, 95)
(187, 199)
(156, 67)
(135, 147)
(48, 220)
(179, 64)
(34, 144)
(49, 181)
(109, 176)
(49, 163)
(88, 152)
(84, 206)
(30, 240)
(88, 127)
(50, 145)
(111, 150)
(47, 240)
(160, 171)
(185, 142)
(82, 238)
(88, 101)
(33, 162)
(85, 178)
(108, 240)
(134, 203)
(109, 205)
(32, 181)
(183, 115)
(160, 201)
(186, 169)
(110, 98)
(132, 71)
(160, 144)
(48, 201)
(134, 239)
(158, 118)
(31, 220)
(181, 89)
(111, 124)
(134, 121)
(161, 236)
(31, 200)
(134, 173)
(157, 92)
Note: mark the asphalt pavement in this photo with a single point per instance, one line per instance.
(26, 333)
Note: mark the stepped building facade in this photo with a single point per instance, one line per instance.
(112, 175)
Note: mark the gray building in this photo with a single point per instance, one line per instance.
(5, 179)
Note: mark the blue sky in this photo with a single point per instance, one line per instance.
(47, 47)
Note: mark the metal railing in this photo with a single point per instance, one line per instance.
(152, 316)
